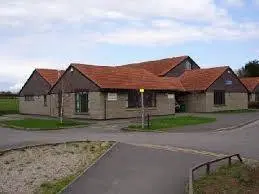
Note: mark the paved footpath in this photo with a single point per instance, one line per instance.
(131, 169)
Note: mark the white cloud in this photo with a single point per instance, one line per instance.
(48, 33)
(81, 11)
(166, 32)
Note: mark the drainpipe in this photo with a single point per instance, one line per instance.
(105, 105)
(50, 105)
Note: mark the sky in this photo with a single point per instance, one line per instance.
(55, 33)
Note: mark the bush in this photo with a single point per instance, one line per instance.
(254, 105)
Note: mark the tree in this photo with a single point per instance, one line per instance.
(63, 94)
(251, 69)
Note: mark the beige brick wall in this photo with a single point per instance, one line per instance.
(196, 102)
(119, 108)
(204, 102)
(95, 106)
(114, 109)
(232, 101)
(34, 107)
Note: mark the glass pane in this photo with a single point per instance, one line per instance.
(84, 103)
(77, 103)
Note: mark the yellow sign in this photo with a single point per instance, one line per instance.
(141, 90)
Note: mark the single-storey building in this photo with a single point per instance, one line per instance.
(102, 92)
(34, 97)
(205, 90)
(105, 92)
(213, 89)
(252, 84)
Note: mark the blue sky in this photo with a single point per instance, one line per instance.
(52, 34)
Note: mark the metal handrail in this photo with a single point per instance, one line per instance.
(207, 164)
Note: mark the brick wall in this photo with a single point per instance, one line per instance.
(233, 101)
(34, 107)
(119, 108)
(196, 102)
(204, 102)
(95, 106)
(114, 109)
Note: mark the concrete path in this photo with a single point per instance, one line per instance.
(131, 169)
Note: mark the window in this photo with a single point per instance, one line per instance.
(249, 97)
(188, 65)
(219, 97)
(45, 100)
(150, 99)
(29, 98)
(257, 97)
(81, 102)
(134, 99)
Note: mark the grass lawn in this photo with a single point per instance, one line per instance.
(236, 111)
(168, 122)
(31, 123)
(8, 106)
(238, 178)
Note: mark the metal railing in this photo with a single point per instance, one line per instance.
(208, 168)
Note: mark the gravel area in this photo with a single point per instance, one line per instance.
(23, 171)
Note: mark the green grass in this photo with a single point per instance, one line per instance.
(238, 178)
(31, 123)
(168, 122)
(236, 111)
(55, 186)
(8, 106)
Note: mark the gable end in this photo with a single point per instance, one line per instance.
(181, 67)
(229, 82)
(35, 85)
(73, 81)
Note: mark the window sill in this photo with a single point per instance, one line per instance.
(219, 105)
(134, 109)
(82, 113)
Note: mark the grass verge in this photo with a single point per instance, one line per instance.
(238, 178)
(237, 111)
(44, 124)
(56, 186)
(163, 123)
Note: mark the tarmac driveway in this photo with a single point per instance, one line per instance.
(129, 169)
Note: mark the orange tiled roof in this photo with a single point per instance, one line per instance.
(201, 79)
(50, 75)
(125, 78)
(159, 67)
(250, 82)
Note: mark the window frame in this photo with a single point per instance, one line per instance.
(45, 100)
(78, 102)
(134, 99)
(28, 98)
(257, 97)
(188, 65)
(219, 98)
